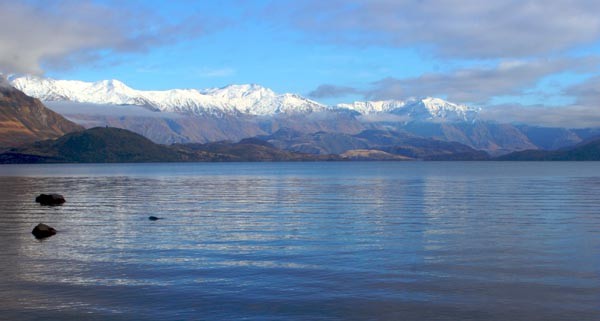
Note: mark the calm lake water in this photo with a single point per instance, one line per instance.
(303, 241)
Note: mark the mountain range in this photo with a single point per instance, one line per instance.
(250, 99)
(236, 112)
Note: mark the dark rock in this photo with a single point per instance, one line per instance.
(50, 199)
(42, 230)
(154, 218)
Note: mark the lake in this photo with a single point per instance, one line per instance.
(303, 241)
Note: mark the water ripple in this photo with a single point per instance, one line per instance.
(491, 241)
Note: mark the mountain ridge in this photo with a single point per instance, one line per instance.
(250, 99)
(240, 111)
(247, 99)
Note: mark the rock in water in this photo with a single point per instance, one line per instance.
(154, 218)
(42, 230)
(50, 199)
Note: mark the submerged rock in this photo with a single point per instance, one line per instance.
(50, 199)
(42, 230)
(154, 218)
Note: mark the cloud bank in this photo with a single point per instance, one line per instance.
(470, 85)
(479, 85)
(574, 116)
(450, 28)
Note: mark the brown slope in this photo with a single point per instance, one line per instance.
(24, 119)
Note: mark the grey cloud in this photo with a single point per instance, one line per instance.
(574, 116)
(586, 93)
(584, 112)
(452, 28)
(478, 85)
(63, 33)
(512, 78)
(332, 91)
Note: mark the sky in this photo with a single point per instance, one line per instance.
(519, 60)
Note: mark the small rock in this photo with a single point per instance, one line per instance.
(42, 230)
(50, 199)
(154, 218)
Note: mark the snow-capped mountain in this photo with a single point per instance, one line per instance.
(230, 100)
(233, 99)
(226, 114)
(421, 109)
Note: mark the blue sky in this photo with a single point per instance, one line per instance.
(515, 58)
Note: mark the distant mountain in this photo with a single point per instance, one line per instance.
(24, 119)
(359, 145)
(420, 110)
(241, 111)
(494, 138)
(586, 151)
(211, 128)
(551, 138)
(229, 100)
(491, 137)
(114, 145)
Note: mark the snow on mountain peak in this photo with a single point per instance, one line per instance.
(249, 99)
(420, 109)
(250, 91)
(441, 109)
(373, 107)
